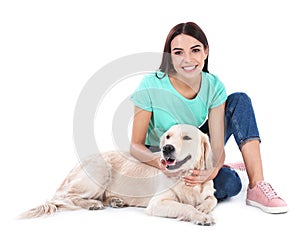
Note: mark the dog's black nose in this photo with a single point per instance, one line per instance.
(168, 149)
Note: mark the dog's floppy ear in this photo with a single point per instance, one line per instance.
(206, 153)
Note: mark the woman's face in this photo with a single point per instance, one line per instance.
(188, 55)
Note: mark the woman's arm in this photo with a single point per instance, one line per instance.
(216, 122)
(139, 131)
(216, 135)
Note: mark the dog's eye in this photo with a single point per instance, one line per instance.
(168, 137)
(186, 138)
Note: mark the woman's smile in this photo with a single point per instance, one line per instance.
(190, 68)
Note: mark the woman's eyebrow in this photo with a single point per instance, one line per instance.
(195, 46)
(179, 49)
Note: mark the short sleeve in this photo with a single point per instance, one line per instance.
(141, 96)
(219, 95)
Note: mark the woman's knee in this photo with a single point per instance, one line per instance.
(227, 184)
(240, 97)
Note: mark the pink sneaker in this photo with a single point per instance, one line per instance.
(264, 197)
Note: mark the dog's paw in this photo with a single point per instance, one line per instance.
(204, 220)
(116, 202)
(96, 206)
(203, 209)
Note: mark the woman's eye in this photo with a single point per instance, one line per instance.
(178, 52)
(195, 50)
(186, 138)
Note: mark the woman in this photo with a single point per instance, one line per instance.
(183, 91)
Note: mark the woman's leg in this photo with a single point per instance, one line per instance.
(252, 159)
(227, 184)
(241, 123)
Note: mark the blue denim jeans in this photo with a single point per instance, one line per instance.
(241, 123)
(227, 184)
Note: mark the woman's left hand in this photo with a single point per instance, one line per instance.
(199, 177)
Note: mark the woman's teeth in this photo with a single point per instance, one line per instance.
(189, 68)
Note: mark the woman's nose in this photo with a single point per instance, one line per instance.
(187, 57)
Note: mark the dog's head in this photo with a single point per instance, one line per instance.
(185, 147)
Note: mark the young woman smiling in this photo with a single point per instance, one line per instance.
(183, 91)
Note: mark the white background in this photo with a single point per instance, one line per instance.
(49, 50)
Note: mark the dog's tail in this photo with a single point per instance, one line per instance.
(47, 209)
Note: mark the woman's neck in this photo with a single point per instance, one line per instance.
(188, 88)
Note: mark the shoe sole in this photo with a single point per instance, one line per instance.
(271, 210)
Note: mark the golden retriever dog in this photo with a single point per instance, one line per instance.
(117, 179)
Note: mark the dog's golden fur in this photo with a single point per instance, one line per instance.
(117, 179)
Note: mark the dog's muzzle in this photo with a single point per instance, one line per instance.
(178, 164)
(172, 163)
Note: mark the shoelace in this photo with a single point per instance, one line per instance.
(267, 190)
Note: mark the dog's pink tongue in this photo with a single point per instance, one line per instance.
(166, 162)
(170, 163)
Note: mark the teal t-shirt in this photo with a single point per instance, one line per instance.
(169, 107)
